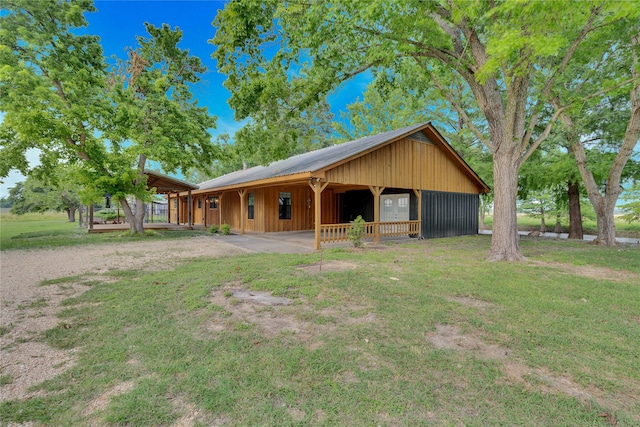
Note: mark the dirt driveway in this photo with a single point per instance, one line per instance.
(28, 309)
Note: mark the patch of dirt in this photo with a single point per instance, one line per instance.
(471, 302)
(260, 297)
(599, 273)
(277, 315)
(28, 309)
(327, 267)
(273, 315)
(450, 337)
(100, 403)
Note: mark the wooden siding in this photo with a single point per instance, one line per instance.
(266, 209)
(406, 163)
(230, 207)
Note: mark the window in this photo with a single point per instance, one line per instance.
(199, 202)
(175, 202)
(284, 206)
(250, 204)
(213, 202)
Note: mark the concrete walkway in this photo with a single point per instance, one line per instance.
(287, 242)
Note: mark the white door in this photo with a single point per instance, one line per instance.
(393, 207)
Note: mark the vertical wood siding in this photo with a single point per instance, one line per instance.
(406, 163)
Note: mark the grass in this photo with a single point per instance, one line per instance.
(48, 230)
(426, 333)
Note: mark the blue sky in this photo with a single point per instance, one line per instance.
(118, 22)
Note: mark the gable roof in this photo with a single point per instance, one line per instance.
(322, 159)
(166, 184)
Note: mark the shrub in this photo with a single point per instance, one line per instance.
(225, 229)
(107, 214)
(214, 229)
(357, 231)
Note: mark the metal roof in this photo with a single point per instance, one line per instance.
(166, 184)
(311, 161)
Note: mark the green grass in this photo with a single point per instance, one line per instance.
(356, 347)
(50, 230)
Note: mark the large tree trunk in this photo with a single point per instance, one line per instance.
(505, 242)
(71, 214)
(135, 220)
(558, 227)
(575, 215)
(606, 222)
(605, 205)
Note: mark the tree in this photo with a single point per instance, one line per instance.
(34, 195)
(156, 118)
(552, 171)
(60, 97)
(632, 207)
(501, 51)
(609, 123)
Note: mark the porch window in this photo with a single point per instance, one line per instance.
(250, 204)
(199, 202)
(213, 202)
(175, 202)
(284, 206)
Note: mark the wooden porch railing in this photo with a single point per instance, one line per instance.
(339, 232)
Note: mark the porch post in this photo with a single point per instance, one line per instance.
(178, 206)
(220, 210)
(418, 194)
(205, 211)
(189, 210)
(377, 191)
(243, 208)
(317, 188)
(169, 208)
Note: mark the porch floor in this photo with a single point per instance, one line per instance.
(291, 241)
(108, 228)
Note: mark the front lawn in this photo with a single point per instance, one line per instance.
(426, 333)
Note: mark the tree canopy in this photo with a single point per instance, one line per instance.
(510, 55)
(60, 96)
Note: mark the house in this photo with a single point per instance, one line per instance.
(408, 181)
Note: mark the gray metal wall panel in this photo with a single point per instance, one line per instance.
(449, 214)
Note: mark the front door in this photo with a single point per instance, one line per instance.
(393, 208)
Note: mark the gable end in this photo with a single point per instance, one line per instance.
(420, 136)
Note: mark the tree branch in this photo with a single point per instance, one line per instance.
(458, 108)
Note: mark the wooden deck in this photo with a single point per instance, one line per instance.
(109, 228)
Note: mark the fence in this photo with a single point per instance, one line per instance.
(339, 232)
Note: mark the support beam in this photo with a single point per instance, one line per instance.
(220, 210)
(205, 211)
(317, 188)
(190, 210)
(178, 207)
(169, 208)
(243, 208)
(418, 194)
(377, 191)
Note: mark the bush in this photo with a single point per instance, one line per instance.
(225, 229)
(357, 231)
(214, 229)
(107, 214)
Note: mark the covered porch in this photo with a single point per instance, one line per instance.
(324, 208)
